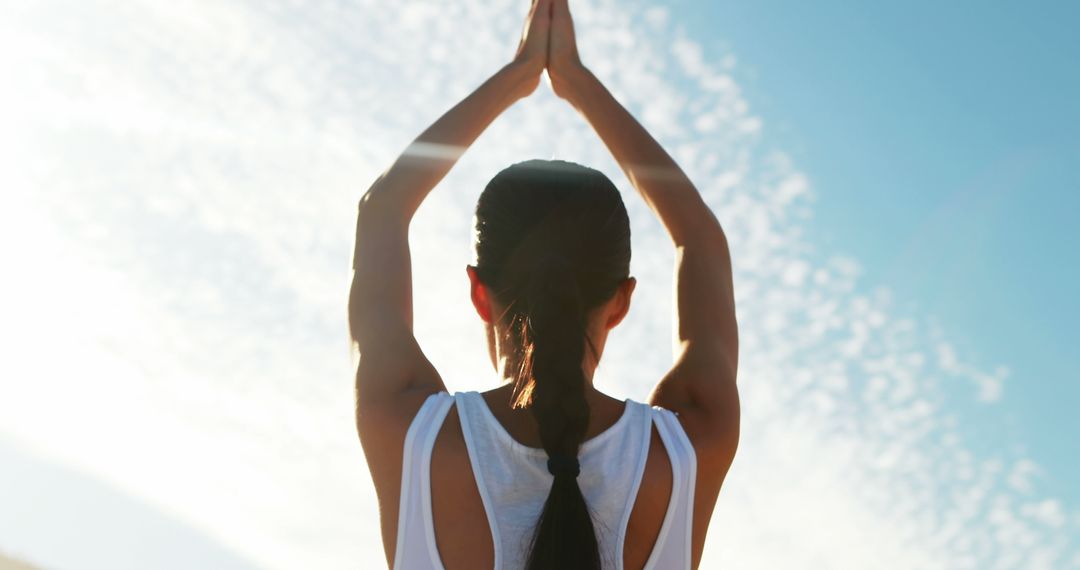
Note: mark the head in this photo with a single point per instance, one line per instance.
(551, 278)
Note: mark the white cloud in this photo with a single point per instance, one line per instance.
(182, 212)
(1021, 475)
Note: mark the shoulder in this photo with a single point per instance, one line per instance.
(433, 404)
(669, 425)
(656, 411)
(385, 428)
(713, 449)
(386, 415)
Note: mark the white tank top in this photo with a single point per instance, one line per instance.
(514, 483)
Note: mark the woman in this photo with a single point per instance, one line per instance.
(545, 471)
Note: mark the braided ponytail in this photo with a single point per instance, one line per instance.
(554, 334)
(553, 242)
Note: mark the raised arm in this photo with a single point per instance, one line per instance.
(393, 375)
(701, 385)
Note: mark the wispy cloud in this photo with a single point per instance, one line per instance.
(180, 220)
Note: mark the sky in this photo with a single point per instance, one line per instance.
(942, 138)
(180, 181)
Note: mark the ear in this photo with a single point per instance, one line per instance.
(622, 302)
(481, 298)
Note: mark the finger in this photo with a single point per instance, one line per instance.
(537, 28)
(529, 20)
(546, 11)
(532, 11)
(560, 8)
(541, 12)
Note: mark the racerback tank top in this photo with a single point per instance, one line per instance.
(514, 482)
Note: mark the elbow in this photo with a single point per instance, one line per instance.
(357, 337)
(382, 210)
(356, 325)
(707, 235)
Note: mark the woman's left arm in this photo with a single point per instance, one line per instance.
(393, 375)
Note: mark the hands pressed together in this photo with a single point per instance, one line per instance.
(548, 42)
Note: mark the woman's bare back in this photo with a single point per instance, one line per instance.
(462, 528)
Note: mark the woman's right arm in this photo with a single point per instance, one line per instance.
(701, 385)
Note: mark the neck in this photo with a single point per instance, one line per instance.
(597, 400)
(505, 371)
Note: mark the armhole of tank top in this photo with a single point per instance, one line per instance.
(419, 428)
(639, 470)
(690, 476)
(408, 451)
(680, 463)
(425, 477)
(465, 414)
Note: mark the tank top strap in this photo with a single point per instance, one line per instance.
(416, 529)
(483, 442)
(643, 439)
(673, 545)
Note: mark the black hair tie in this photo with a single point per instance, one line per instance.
(563, 465)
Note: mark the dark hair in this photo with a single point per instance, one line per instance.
(553, 242)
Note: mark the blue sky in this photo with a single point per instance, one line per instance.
(943, 141)
(179, 197)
